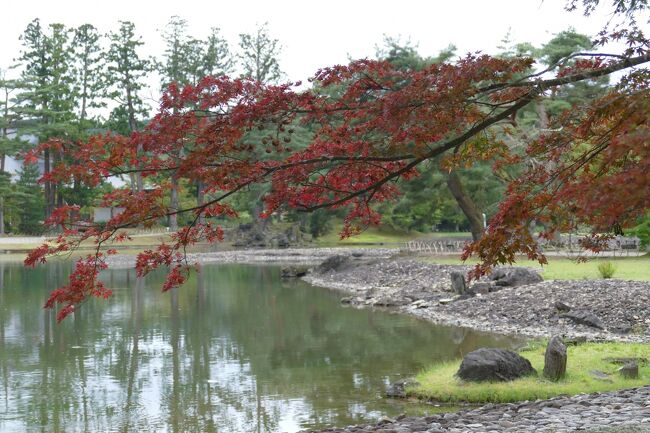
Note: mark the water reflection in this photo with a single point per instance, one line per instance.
(235, 350)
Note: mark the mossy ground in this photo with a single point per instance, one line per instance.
(438, 383)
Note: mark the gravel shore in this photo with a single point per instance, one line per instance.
(620, 411)
(424, 290)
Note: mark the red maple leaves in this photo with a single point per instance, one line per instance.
(372, 126)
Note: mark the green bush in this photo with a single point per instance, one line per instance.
(606, 269)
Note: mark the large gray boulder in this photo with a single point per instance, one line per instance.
(498, 365)
(514, 277)
(555, 359)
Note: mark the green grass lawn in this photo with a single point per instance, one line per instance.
(382, 234)
(372, 235)
(438, 382)
(560, 268)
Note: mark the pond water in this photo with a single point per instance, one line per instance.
(236, 349)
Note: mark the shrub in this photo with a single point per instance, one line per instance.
(606, 269)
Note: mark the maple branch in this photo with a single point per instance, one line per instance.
(594, 73)
(526, 99)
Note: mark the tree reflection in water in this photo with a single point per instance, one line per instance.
(235, 350)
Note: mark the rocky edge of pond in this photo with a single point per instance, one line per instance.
(600, 412)
(598, 310)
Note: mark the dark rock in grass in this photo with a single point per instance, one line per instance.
(398, 389)
(293, 272)
(497, 365)
(514, 277)
(561, 307)
(599, 375)
(584, 317)
(623, 361)
(334, 263)
(458, 283)
(555, 359)
(576, 341)
(629, 370)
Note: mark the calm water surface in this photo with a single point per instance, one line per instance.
(235, 350)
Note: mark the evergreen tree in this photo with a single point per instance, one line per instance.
(29, 192)
(124, 81)
(8, 145)
(48, 95)
(259, 55)
(89, 85)
(216, 58)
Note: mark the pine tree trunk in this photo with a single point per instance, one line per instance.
(466, 205)
(2, 216)
(49, 202)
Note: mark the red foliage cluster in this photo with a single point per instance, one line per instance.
(373, 124)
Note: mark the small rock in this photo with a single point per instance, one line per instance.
(584, 317)
(514, 277)
(623, 330)
(398, 389)
(599, 375)
(446, 301)
(623, 361)
(420, 303)
(561, 307)
(481, 288)
(629, 370)
(334, 263)
(293, 272)
(575, 341)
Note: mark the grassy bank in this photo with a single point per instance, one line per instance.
(560, 268)
(438, 382)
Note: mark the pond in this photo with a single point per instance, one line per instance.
(236, 349)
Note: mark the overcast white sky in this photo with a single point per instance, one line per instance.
(313, 34)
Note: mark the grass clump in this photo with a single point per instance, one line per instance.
(606, 269)
(438, 383)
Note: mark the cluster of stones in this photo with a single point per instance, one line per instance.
(500, 365)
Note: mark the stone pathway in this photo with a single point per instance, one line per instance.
(619, 411)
